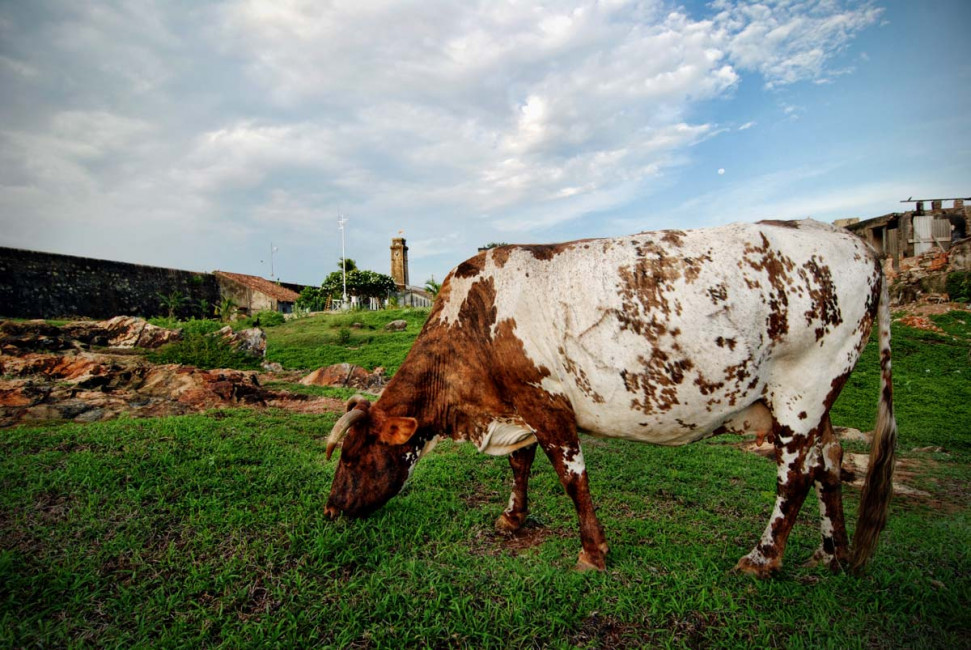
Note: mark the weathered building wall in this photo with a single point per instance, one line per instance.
(247, 300)
(45, 285)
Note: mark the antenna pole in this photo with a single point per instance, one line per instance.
(340, 224)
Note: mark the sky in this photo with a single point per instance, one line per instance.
(196, 135)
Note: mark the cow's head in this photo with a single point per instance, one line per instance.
(375, 459)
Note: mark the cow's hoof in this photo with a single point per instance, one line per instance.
(510, 522)
(822, 558)
(586, 562)
(757, 569)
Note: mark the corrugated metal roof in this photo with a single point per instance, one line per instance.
(264, 286)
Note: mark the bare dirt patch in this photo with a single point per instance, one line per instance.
(925, 308)
(532, 534)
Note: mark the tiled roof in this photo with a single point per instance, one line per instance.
(264, 286)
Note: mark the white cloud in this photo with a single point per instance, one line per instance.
(501, 107)
(790, 40)
(271, 115)
(747, 126)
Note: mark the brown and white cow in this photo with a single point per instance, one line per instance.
(663, 337)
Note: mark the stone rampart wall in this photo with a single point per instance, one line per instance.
(45, 285)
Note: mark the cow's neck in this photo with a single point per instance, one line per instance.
(444, 385)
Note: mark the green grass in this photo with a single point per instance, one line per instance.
(325, 391)
(208, 531)
(313, 342)
(203, 351)
(932, 385)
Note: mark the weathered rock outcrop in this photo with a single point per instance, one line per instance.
(346, 375)
(50, 373)
(87, 386)
(119, 332)
(252, 341)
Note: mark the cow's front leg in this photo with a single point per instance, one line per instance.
(793, 460)
(515, 513)
(567, 460)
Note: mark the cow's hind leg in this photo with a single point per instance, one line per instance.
(515, 513)
(834, 549)
(795, 456)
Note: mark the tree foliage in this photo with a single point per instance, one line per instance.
(360, 283)
(312, 299)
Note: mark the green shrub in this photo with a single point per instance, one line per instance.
(166, 322)
(205, 351)
(264, 319)
(344, 336)
(191, 326)
(958, 286)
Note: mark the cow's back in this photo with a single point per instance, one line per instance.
(664, 336)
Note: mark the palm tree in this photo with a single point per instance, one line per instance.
(432, 287)
(172, 302)
(226, 309)
(205, 308)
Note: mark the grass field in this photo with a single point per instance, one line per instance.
(207, 531)
(309, 343)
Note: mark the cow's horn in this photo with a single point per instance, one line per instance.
(340, 428)
(355, 400)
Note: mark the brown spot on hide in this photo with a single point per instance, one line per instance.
(646, 287)
(657, 385)
(582, 381)
(723, 342)
(500, 255)
(824, 306)
(707, 387)
(542, 252)
(735, 376)
(779, 223)
(776, 267)
(545, 252)
(478, 312)
(673, 237)
(718, 293)
(471, 267)
(836, 386)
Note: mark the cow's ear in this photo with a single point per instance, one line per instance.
(397, 431)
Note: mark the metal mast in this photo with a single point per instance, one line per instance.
(340, 224)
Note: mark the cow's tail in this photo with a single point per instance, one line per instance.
(878, 487)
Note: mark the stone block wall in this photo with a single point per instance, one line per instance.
(45, 285)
